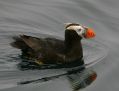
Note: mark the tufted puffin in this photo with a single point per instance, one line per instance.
(52, 50)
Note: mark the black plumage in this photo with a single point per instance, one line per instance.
(51, 50)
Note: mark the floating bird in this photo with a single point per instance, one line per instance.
(55, 51)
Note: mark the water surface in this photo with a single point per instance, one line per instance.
(38, 17)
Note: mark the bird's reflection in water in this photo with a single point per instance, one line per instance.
(82, 79)
(78, 78)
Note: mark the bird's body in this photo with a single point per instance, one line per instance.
(51, 50)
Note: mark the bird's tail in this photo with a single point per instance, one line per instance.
(18, 43)
(26, 51)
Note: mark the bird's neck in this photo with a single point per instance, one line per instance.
(73, 46)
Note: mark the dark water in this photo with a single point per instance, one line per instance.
(43, 18)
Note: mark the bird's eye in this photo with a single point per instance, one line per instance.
(79, 29)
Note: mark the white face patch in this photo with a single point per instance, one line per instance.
(79, 29)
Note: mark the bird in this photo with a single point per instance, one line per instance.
(52, 50)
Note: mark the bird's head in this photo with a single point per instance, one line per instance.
(82, 31)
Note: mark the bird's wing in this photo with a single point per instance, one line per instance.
(32, 42)
(37, 44)
(51, 48)
(57, 45)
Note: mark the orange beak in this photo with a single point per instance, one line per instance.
(89, 33)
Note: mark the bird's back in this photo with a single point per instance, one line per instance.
(45, 49)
